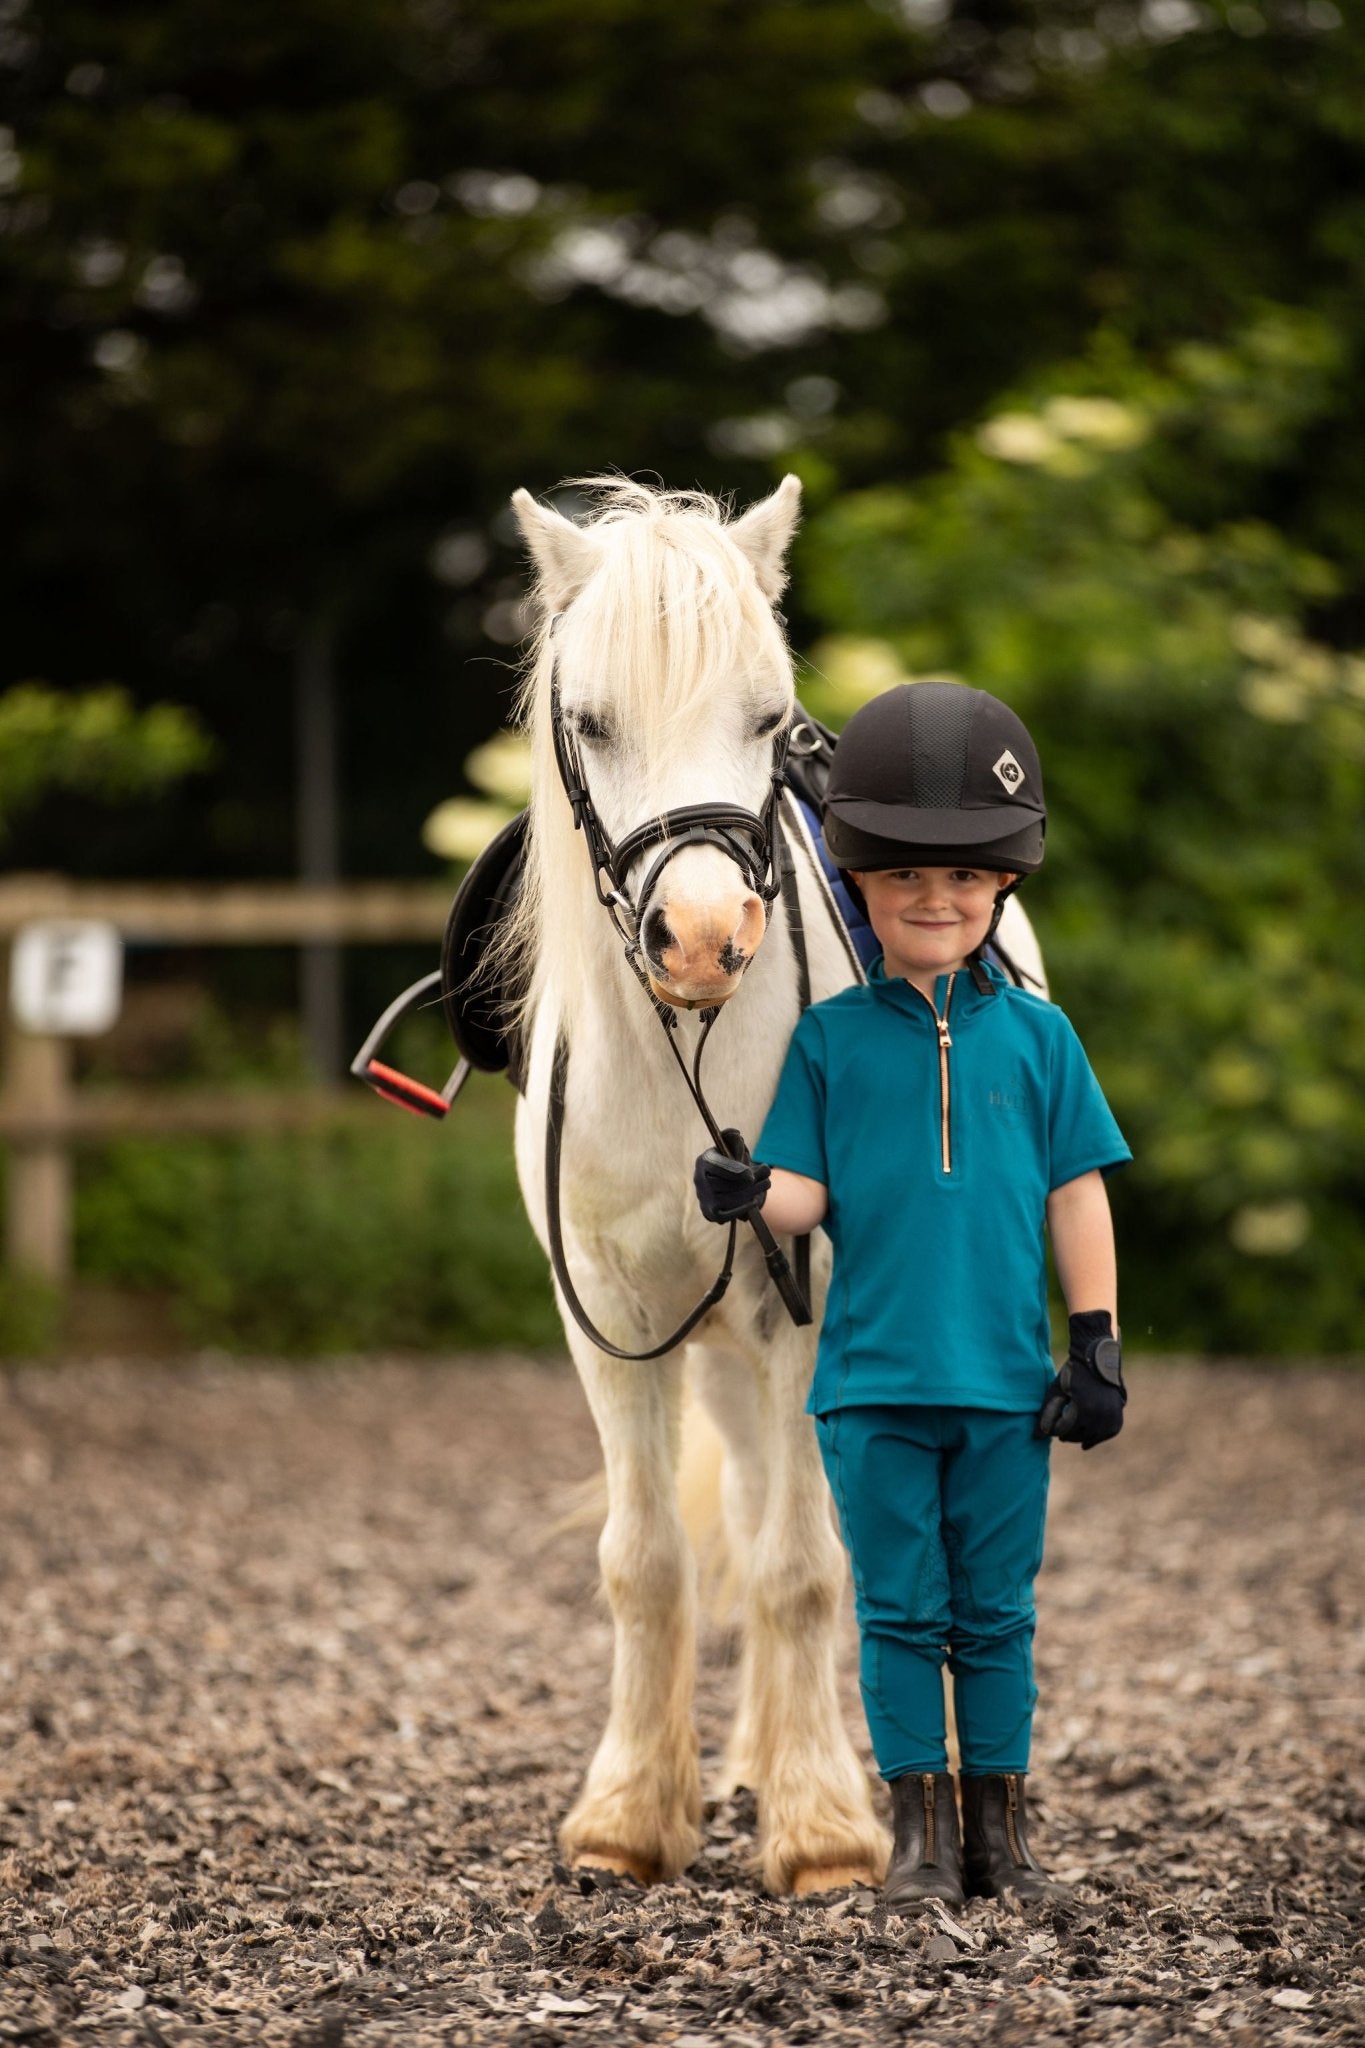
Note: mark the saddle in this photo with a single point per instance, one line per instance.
(474, 996)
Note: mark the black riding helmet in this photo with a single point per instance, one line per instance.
(935, 774)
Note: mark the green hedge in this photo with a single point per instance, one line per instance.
(357, 1237)
(1102, 556)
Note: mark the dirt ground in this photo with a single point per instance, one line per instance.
(297, 1677)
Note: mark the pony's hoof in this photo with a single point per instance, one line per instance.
(619, 1862)
(832, 1877)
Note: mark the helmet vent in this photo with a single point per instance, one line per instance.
(940, 723)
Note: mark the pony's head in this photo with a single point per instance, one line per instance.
(668, 664)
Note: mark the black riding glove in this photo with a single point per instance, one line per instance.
(1084, 1404)
(730, 1186)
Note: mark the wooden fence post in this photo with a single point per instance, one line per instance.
(38, 1203)
(43, 1116)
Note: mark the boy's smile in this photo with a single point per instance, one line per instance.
(929, 920)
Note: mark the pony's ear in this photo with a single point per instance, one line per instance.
(764, 535)
(565, 556)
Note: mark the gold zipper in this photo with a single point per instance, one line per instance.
(930, 1818)
(945, 1086)
(1011, 1810)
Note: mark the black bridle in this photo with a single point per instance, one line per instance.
(751, 841)
(757, 846)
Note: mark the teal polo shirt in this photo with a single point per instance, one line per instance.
(939, 1149)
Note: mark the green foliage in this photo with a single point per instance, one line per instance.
(93, 743)
(30, 1315)
(291, 290)
(1088, 555)
(293, 294)
(370, 1237)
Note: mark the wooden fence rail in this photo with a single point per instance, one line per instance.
(43, 1115)
(232, 914)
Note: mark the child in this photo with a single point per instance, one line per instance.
(933, 1121)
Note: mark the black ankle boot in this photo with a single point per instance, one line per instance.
(996, 1854)
(926, 1861)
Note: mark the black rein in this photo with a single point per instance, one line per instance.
(758, 847)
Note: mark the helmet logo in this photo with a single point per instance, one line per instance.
(1010, 773)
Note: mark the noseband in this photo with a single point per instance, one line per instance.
(750, 841)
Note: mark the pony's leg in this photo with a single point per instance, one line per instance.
(640, 1807)
(816, 1824)
(727, 1387)
(722, 1380)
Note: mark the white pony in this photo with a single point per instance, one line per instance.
(661, 647)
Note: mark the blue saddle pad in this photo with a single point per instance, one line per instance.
(864, 940)
(861, 935)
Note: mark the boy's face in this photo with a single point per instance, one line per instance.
(929, 919)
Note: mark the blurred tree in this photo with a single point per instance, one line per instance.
(1087, 554)
(294, 293)
(278, 331)
(94, 743)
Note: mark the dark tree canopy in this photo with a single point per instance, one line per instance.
(296, 293)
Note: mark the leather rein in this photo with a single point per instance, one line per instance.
(759, 848)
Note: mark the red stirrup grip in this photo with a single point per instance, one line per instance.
(387, 1081)
(407, 1093)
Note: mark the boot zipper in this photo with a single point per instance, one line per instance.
(1011, 1810)
(945, 1086)
(930, 1820)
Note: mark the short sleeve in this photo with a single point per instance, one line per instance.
(793, 1134)
(1082, 1133)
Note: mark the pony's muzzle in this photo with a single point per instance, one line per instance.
(696, 955)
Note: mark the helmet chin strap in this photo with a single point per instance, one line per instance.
(976, 964)
(999, 910)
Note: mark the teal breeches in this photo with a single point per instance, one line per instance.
(942, 1511)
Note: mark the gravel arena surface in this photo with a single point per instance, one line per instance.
(299, 1671)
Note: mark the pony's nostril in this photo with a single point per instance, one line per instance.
(657, 934)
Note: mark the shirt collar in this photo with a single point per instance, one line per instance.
(966, 996)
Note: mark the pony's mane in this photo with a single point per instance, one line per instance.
(662, 624)
(665, 627)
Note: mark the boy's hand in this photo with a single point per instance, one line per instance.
(730, 1187)
(1085, 1402)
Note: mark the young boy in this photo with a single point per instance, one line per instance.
(934, 1121)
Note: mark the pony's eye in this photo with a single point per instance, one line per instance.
(588, 726)
(769, 722)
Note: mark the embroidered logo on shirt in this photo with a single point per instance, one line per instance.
(1010, 773)
(1010, 1099)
